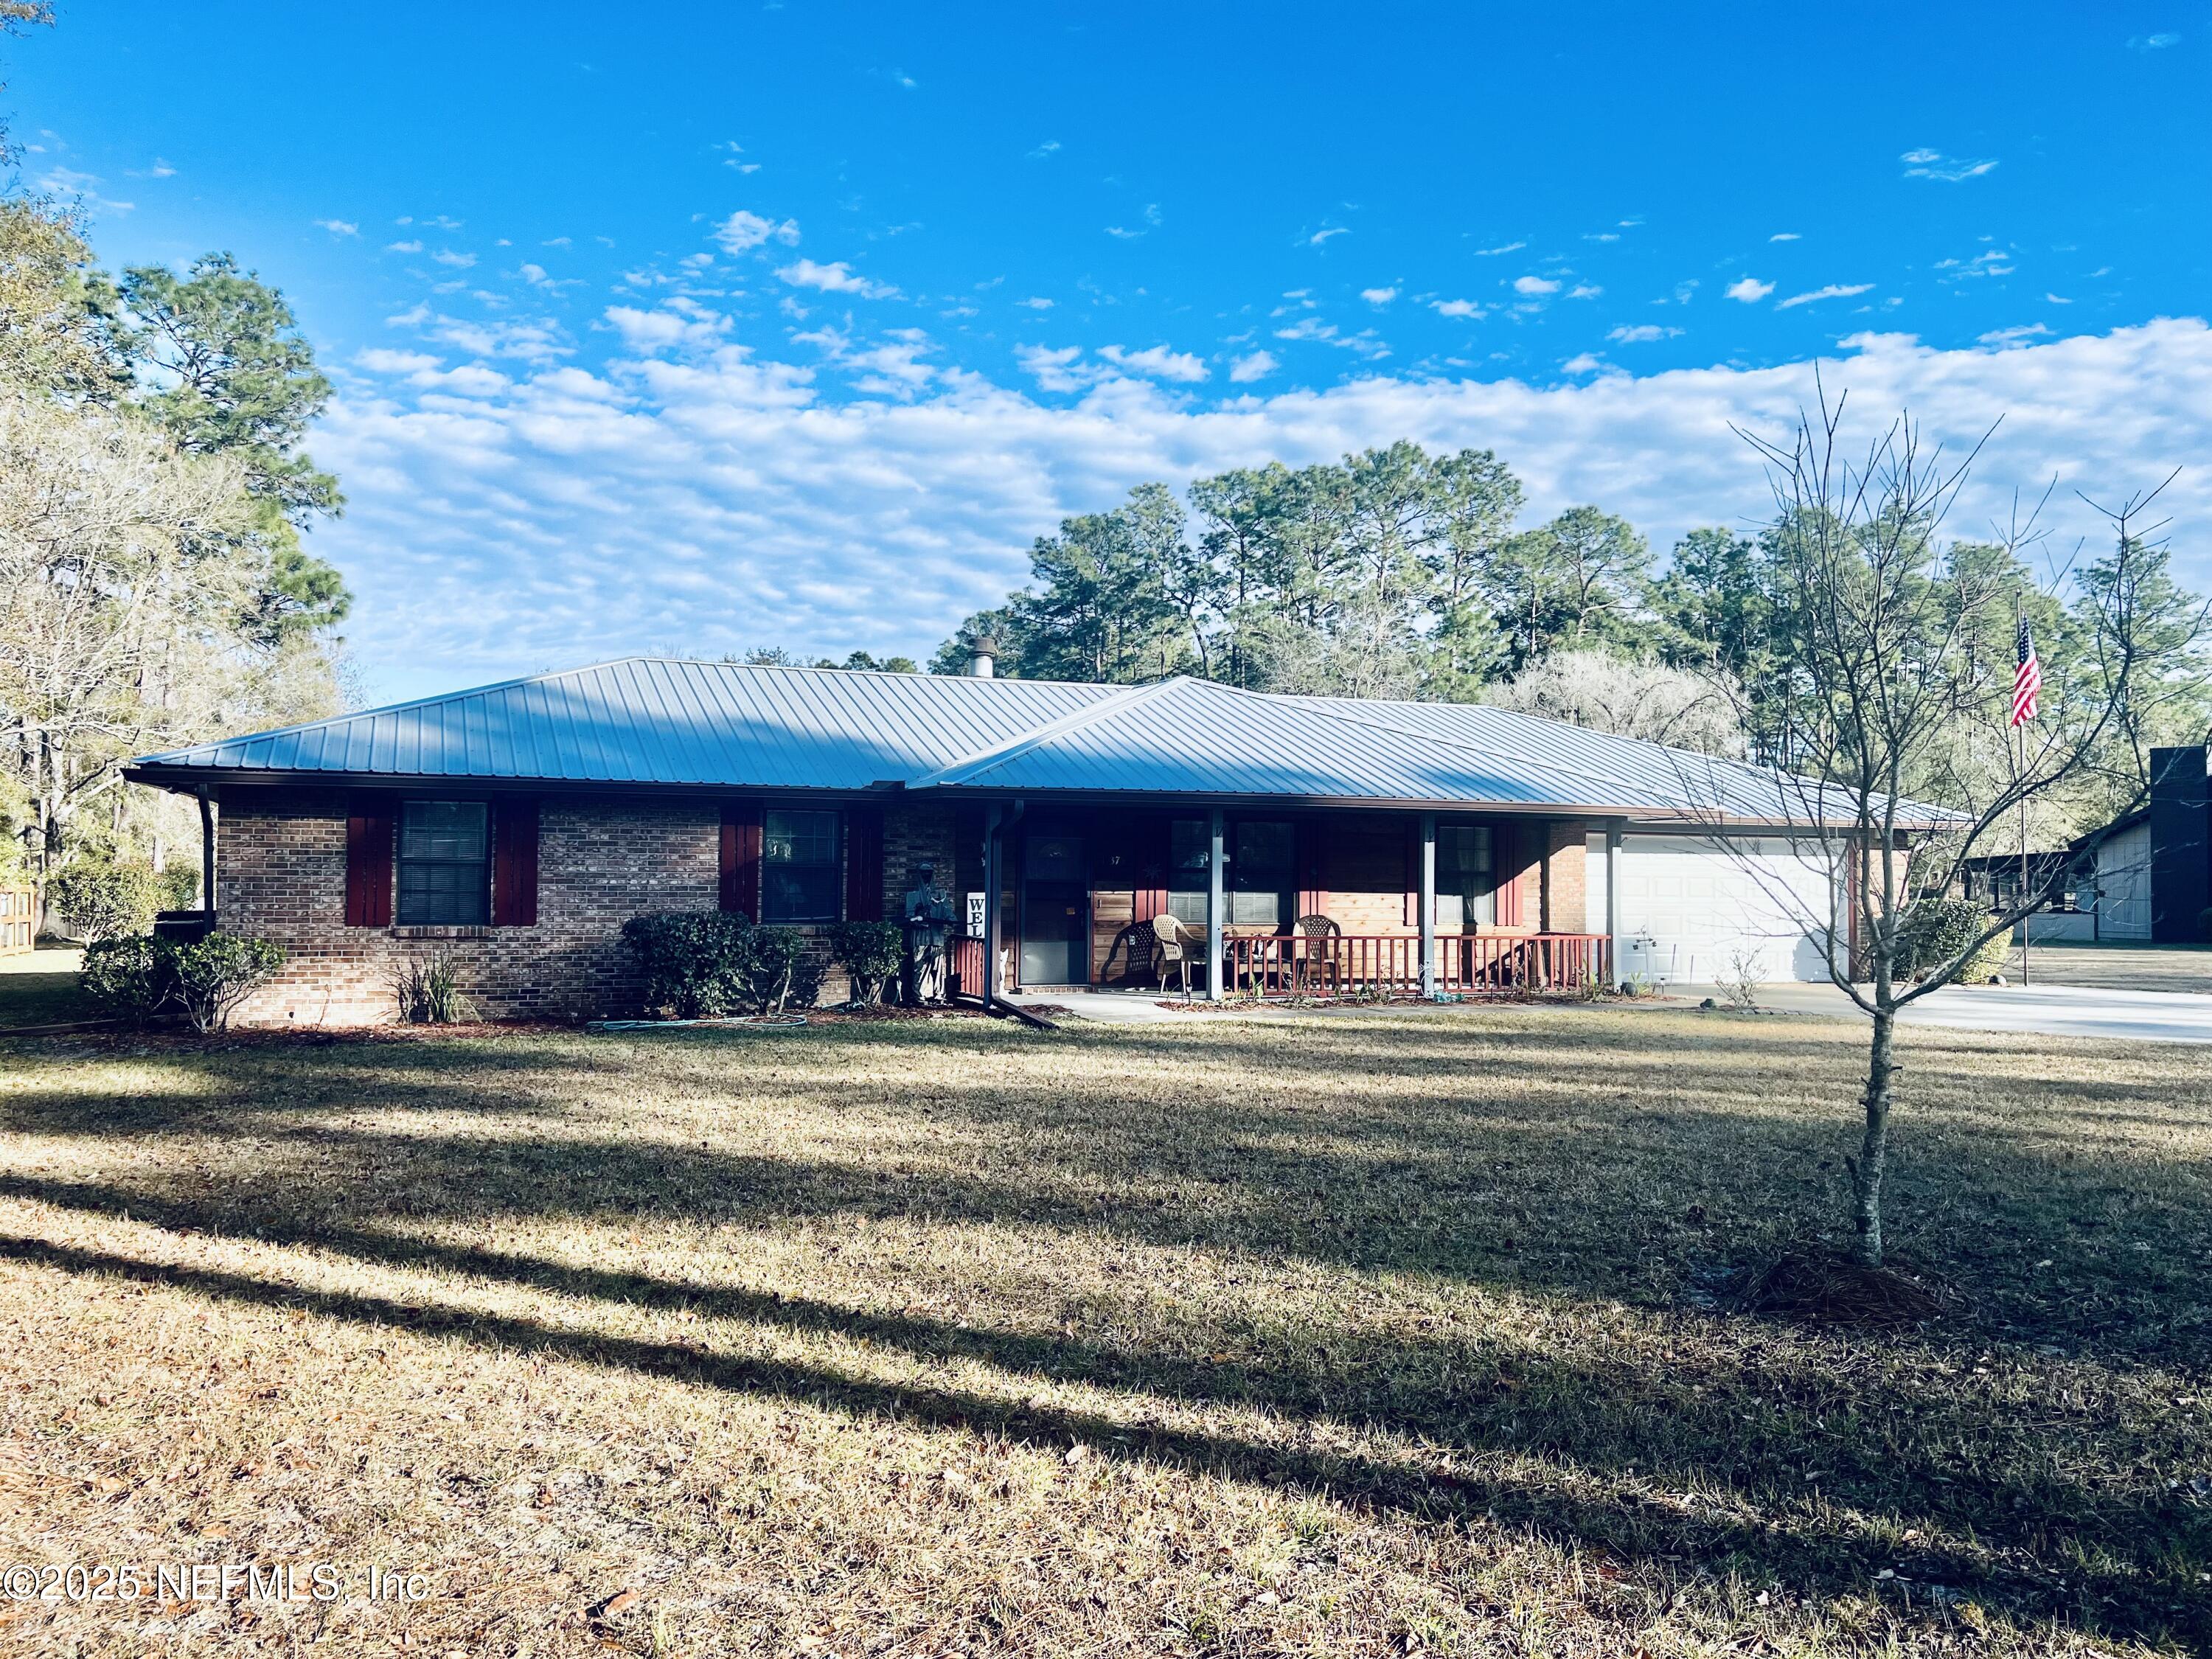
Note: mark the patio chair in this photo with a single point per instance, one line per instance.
(1170, 944)
(1316, 962)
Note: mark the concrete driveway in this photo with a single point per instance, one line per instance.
(2047, 1010)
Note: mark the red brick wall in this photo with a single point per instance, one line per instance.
(1566, 876)
(282, 877)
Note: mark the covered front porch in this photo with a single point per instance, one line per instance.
(1262, 902)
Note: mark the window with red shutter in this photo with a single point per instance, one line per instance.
(368, 862)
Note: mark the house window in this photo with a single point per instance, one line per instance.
(1263, 882)
(1467, 885)
(799, 866)
(445, 863)
(1190, 841)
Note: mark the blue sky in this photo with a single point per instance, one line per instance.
(704, 327)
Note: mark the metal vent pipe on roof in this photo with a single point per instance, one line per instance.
(982, 653)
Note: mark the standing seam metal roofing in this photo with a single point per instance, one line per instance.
(662, 722)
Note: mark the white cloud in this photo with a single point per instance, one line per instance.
(1050, 147)
(446, 256)
(1786, 236)
(712, 500)
(1506, 247)
(1585, 363)
(1034, 303)
(1833, 291)
(1252, 365)
(1322, 236)
(339, 226)
(1534, 285)
(1159, 362)
(1321, 334)
(2019, 336)
(377, 360)
(1456, 308)
(834, 279)
(744, 230)
(2153, 42)
(1641, 333)
(161, 169)
(659, 330)
(1584, 291)
(1053, 367)
(403, 248)
(2057, 300)
(1934, 164)
(1378, 296)
(1749, 289)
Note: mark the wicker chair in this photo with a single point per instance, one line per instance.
(1317, 962)
(1170, 944)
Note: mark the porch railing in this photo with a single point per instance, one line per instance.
(1468, 965)
(964, 966)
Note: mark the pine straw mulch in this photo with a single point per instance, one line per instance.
(1817, 1286)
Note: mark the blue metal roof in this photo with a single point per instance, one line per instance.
(654, 722)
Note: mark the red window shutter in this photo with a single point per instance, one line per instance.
(864, 864)
(1506, 862)
(514, 863)
(368, 862)
(741, 859)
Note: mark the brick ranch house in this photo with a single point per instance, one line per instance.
(515, 827)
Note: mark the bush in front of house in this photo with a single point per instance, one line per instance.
(137, 978)
(1937, 929)
(216, 972)
(700, 964)
(691, 961)
(127, 979)
(782, 969)
(870, 953)
(95, 899)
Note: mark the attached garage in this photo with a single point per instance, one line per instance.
(1688, 907)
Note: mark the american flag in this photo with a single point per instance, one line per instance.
(2028, 678)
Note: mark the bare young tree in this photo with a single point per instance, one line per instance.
(1895, 670)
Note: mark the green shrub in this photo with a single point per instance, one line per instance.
(781, 968)
(137, 978)
(215, 973)
(870, 953)
(429, 993)
(1937, 929)
(691, 961)
(95, 900)
(179, 887)
(129, 979)
(700, 964)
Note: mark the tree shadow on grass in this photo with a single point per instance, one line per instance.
(1408, 1158)
(1818, 1546)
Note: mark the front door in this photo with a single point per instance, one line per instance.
(1055, 912)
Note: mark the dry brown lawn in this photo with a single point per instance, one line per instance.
(1387, 1336)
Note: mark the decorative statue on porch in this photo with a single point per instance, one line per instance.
(927, 912)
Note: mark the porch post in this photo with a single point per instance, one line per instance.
(1612, 900)
(207, 854)
(992, 814)
(1429, 906)
(1214, 917)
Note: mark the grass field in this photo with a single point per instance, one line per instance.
(1390, 1335)
(40, 988)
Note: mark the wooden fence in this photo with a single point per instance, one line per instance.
(19, 919)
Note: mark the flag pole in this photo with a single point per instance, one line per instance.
(2027, 921)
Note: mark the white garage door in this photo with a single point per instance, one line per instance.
(1686, 907)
